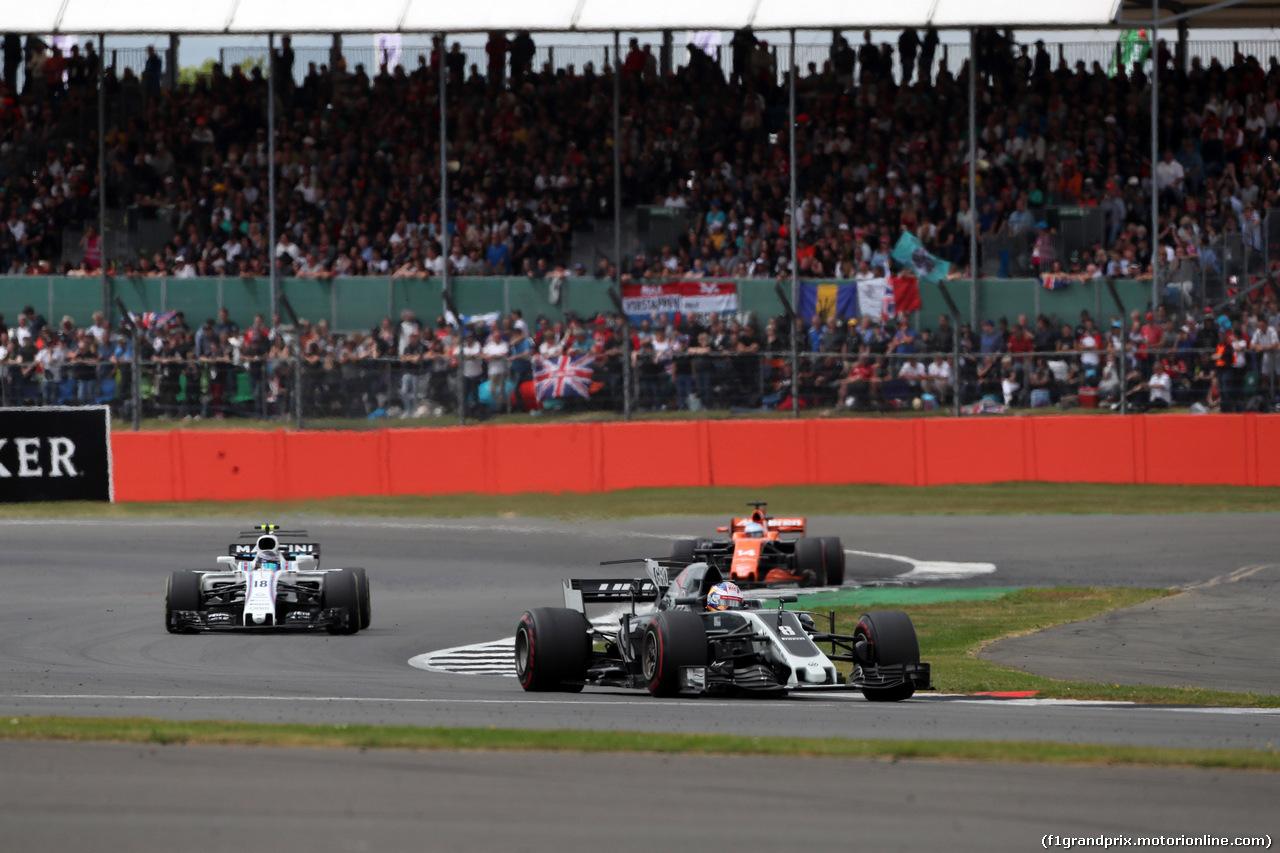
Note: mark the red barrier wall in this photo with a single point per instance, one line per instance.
(178, 465)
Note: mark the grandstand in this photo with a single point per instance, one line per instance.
(639, 165)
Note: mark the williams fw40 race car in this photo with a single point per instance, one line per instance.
(682, 648)
(267, 583)
(756, 555)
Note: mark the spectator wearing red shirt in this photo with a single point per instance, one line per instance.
(1152, 333)
(1021, 343)
(862, 382)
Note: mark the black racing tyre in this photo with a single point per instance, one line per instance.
(553, 647)
(182, 592)
(673, 639)
(810, 562)
(366, 604)
(342, 590)
(893, 640)
(682, 550)
(833, 559)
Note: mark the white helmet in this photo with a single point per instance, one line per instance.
(753, 530)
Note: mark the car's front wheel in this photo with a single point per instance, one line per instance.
(810, 562)
(366, 604)
(891, 638)
(833, 559)
(182, 592)
(341, 591)
(674, 639)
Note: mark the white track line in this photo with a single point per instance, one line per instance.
(930, 570)
(607, 701)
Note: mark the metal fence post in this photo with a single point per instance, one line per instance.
(955, 347)
(462, 378)
(617, 224)
(626, 354)
(297, 360)
(794, 229)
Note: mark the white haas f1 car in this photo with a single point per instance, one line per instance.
(268, 584)
(681, 648)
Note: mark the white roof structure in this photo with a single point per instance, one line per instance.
(237, 17)
(214, 17)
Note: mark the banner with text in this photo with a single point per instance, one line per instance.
(642, 301)
(61, 454)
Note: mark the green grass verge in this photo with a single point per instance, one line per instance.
(138, 730)
(994, 499)
(952, 633)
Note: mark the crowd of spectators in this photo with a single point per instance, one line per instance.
(1224, 361)
(531, 160)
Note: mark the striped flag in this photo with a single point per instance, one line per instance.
(564, 376)
(827, 300)
(153, 319)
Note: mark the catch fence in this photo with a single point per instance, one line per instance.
(316, 389)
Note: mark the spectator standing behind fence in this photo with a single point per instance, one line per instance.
(522, 53)
(908, 46)
(152, 70)
(496, 51)
(496, 352)
(1264, 343)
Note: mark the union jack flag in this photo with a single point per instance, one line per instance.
(154, 319)
(564, 376)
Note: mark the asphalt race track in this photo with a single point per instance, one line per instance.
(81, 628)
(120, 797)
(81, 633)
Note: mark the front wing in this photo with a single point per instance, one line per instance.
(296, 620)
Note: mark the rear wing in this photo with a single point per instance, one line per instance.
(266, 537)
(582, 591)
(781, 525)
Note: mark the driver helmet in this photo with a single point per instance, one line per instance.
(753, 530)
(724, 596)
(268, 561)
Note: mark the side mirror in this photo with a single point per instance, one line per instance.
(787, 599)
(722, 530)
(226, 561)
(305, 562)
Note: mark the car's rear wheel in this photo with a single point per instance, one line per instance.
(892, 640)
(366, 604)
(833, 559)
(553, 647)
(182, 592)
(810, 562)
(682, 550)
(674, 639)
(342, 591)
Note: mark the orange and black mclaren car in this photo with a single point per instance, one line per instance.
(764, 551)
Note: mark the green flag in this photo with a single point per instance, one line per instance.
(912, 254)
(1134, 48)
